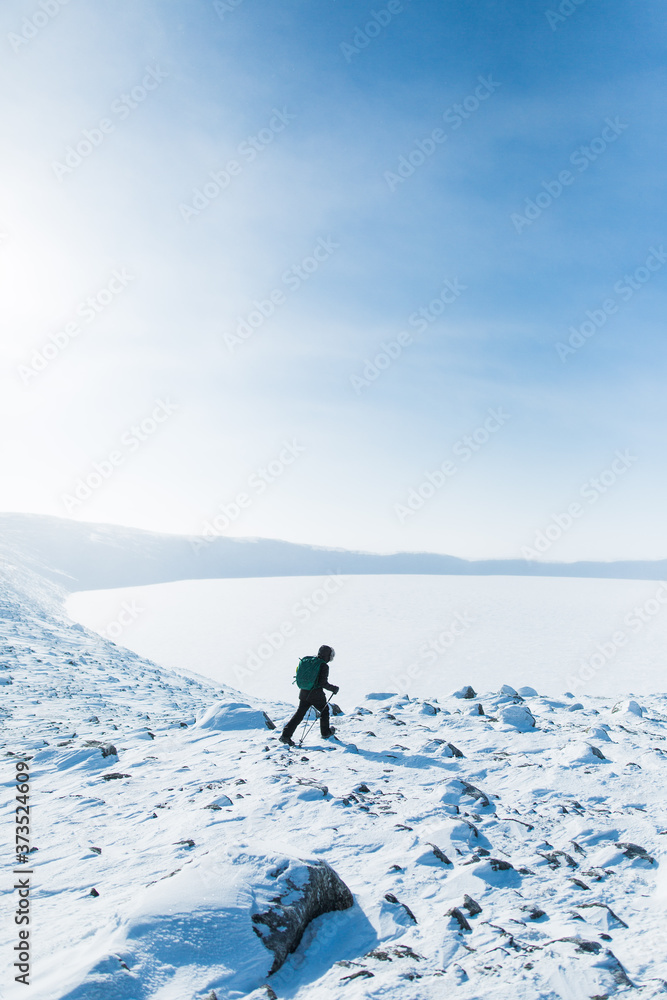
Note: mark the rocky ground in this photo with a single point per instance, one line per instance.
(496, 842)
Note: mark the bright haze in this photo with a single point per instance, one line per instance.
(385, 276)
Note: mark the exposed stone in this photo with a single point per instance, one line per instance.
(635, 851)
(471, 905)
(456, 915)
(498, 865)
(281, 927)
(389, 896)
(106, 749)
(465, 692)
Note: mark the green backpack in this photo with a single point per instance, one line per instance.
(308, 672)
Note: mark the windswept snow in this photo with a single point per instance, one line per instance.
(484, 855)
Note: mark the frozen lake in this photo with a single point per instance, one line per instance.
(422, 635)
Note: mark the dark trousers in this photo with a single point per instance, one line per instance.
(316, 699)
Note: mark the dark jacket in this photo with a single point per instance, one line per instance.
(322, 682)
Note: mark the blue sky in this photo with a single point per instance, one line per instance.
(531, 142)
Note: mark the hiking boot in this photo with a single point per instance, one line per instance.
(332, 730)
(287, 740)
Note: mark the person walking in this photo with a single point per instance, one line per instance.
(312, 677)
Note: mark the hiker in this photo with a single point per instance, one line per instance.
(312, 676)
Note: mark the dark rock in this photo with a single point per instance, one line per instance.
(281, 927)
(362, 974)
(500, 866)
(94, 892)
(96, 850)
(579, 884)
(475, 793)
(269, 723)
(363, 787)
(440, 855)
(613, 919)
(471, 905)
(635, 851)
(455, 750)
(456, 915)
(335, 709)
(585, 947)
(106, 749)
(405, 951)
(389, 896)
(466, 692)
(598, 753)
(311, 783)
(114, 776)
(554, 859)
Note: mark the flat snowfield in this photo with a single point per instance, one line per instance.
(420, 635)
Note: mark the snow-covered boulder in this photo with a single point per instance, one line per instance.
(224, 715)
(507, 691)
(221, 924)
(598, 733)
(528, 692)
(628, 707)
(304, 890)
(579, 752)
(519, 717)
(465, 692)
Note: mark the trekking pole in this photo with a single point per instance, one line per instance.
(317, 714)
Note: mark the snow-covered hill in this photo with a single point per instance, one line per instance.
(485, 854)
(82, 556)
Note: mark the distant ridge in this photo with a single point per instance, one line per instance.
(82, 556)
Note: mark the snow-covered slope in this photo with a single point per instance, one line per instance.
(485, 855)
